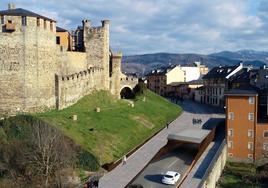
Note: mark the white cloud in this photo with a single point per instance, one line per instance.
(139, 26)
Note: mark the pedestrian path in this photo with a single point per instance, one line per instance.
(123, 174)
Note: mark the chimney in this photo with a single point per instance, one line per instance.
(11, 6)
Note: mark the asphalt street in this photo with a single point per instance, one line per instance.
(177, 160)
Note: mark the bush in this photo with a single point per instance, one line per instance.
(87, 161)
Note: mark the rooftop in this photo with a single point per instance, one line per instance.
(59, 29)
(23, 12)
(220, 72)
(243, 91)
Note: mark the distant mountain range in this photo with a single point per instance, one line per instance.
(142, 64)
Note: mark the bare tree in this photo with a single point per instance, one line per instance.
(49, 151)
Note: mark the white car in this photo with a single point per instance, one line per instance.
(171, 177)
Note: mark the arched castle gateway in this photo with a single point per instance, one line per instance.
(37, 74)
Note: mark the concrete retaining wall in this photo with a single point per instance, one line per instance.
(216, 167)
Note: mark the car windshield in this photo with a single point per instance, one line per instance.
(168, 176)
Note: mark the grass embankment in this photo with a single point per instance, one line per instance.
(237, 175)
(118, 128)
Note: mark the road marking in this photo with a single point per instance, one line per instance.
(173, 163)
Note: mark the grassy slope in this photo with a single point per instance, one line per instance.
(118, 127)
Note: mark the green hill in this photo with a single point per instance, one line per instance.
(117, 128)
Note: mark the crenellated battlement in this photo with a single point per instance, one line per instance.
(81, 75)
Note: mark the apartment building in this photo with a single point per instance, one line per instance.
(216, 83)
(163, 81)
(247, 124)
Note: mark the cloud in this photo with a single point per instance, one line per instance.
(185, 26)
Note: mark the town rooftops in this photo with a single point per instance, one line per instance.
(243, 91)
(220, 72)
(23, 12)
(59, 29)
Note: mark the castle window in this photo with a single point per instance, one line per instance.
(57, 40)
(38, 22)
(9, 21)
(51, 26)
(24, 20)
(2, 19)
(45, 24)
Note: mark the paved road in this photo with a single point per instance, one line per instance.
(122, 175)
(177, 160)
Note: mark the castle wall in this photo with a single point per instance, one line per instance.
(27, 67)
(96, 42)
(115, 74)
(71, 88)
(71, 62)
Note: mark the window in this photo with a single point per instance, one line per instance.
(231, 116)
(230, 154)
(230, 144)
(45, 24)
(57, 40)
(38, 22)
(24, 20)
(230, 132)
(2, 19)
(250, 145)
(250, 133)
(265, 146)
(251, 100)
(265, 134)
(51, 26)
(250, 156)
(251, 116)
(9, 21)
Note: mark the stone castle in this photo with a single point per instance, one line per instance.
(36, 74)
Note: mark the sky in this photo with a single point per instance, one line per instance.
(173, 26)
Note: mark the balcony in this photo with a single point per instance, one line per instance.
(10, 27)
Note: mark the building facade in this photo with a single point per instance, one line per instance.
(216, 83)
(246, 128)
(164, 81)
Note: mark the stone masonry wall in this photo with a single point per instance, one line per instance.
(27, 66)
(96, 42)
(71, 88)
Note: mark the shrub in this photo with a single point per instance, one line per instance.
(87, 161)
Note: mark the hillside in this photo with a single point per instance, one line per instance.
(115, 130)
(142, 64)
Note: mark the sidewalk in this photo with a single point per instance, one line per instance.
(123, 174)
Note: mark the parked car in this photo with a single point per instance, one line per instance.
(171, 177)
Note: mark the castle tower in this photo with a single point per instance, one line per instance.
(96, 43)
(115, 72)
(27, 61)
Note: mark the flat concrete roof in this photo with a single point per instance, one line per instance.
(190, 135)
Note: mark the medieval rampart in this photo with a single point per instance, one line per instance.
(70, 88)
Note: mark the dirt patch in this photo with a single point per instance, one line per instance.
(143, 121)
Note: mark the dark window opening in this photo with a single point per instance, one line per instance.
(51, 26)
(45, 24)
(2, 19)
(57, 40)
(24, 20)
(127, 93)
(38, 22)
